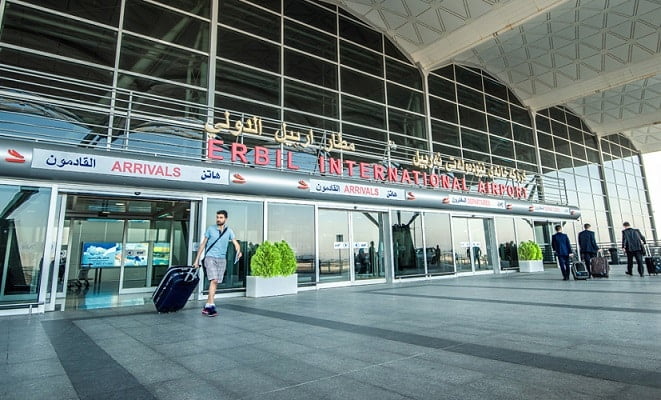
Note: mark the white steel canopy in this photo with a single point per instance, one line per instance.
(599, 58)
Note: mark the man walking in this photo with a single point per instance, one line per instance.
(632, 243)
(562, 247)
(215, 257)
(588, 245)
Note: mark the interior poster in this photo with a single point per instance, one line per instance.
(101, 254)
(161, 253)
(136, 254)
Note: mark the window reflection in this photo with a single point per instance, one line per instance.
(368, 245)
(334, 246)
(168, 25)
(158, 60)
(248, 50)
(310, 40)
(246, 17)
(438, 248)
(407, 244)
(22, 237)
(310, 69)
(507, 243)
(55, 34)
(299, 235)
(361, 59)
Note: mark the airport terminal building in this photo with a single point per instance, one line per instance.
(126, 124)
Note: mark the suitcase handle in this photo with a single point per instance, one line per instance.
(191, 274)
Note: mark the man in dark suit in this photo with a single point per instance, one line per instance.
(632, 243)
(588, 246)
(562, 247)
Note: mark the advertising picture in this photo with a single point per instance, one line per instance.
(136, 254)
(161, 253)
(101, 254)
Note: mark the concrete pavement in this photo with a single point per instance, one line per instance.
(513, 336)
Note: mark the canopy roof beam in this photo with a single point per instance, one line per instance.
(499, 20)
(604, 81)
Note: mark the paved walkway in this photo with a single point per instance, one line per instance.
(518, 336)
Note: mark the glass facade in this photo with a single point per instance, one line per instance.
(569, 152)
(626, 186)
(98, 77)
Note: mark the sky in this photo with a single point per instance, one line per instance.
(652, 164)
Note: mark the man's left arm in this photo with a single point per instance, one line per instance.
(594, 241)
(237, 246)
(554, 245)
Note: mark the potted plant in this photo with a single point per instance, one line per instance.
(272, 271)
(530, 257)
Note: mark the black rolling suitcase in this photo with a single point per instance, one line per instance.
(175, 289)
(579, 271)
(653, 265)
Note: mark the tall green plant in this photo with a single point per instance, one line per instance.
(266, 261)
(529, 251)
(273, 259)
(288, 265)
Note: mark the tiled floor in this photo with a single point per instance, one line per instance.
(517, 336)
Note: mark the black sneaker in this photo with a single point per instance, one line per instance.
(212, 312)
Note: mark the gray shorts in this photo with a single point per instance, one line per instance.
(215, 268)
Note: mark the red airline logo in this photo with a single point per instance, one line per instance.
(15, 157)
(303, 185)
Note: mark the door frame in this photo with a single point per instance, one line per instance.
(490, 245)
(55, 238)
(59, 233)
(387, 248)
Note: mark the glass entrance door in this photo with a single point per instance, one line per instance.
(350, 245)
(334, 246)
(474, 244)
(367, 240)
(462, 245)
(543, 233)
(115, 249)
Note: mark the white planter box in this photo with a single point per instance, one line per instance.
(257, 286)
(531, 266)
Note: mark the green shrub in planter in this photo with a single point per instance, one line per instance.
(266, 261)
(529, 251)
(288, 265)
(273, 259)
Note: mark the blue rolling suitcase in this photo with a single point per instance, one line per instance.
(175, 289)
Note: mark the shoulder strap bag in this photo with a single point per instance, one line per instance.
(212, 244)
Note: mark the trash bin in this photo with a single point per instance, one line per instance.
(615, 259)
